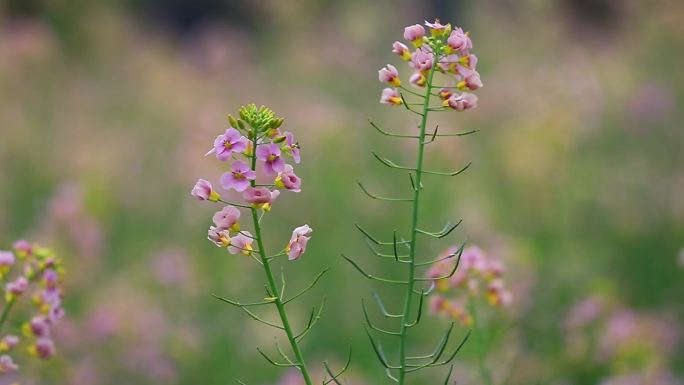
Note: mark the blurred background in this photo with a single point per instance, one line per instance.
(107, 108)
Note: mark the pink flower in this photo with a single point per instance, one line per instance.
(497, 295)
(297, 245)
(203, 191)
(459, 41)
(270, 155)
(227, 218)
(241, 243)
(258, 195)
(39, 327)
(390, 96)
(228, 143)
(239, 176)
(462, 102)
(43, 348)
(288, 180)
(219, 236)
(445, 93)
(437, 28)
(8, 342)
(471, 80)
(6, 261)
(18, 287)
(292, 147)
(389, 74)
(50, 278)
(414, 34)
(402, 50)
(421, 61)
(7, 365)
(22, 247)
(418, 79)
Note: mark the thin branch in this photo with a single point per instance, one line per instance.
(391, 164)
(448, 228)
(333, 377)
(311, 285)
(451, 273)
(371, 276)
(453, 173)
(363, 188)
(370, 324)
(374, 240)
(240, 304)
(380, 130)
(270, 361)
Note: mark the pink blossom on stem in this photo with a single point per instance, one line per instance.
(437, 28)
(421, 60)
(38, 327)
(287, 179)
(390, 96)
(203, 191)
(22, 247)
(297, 245)
(418, 79)
(227, 218)
(17, 287)
(292, 147)
(7, 365)
(44, 348)
(219, 236)
(258, 195)
(238, 177)
(270, 155)
(459, 41)
(6, 261)
(462, 102)
(389, 74)
(402, 50)
(414, 34)
(241, 243)
(471, 81)
(8, 342)
(228, 143)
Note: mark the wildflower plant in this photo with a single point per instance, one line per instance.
(443, 74)
(259, 155)
(479, 278)
(32, 304)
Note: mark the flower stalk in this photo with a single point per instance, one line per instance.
(447, 52)
(254, 143)
(414, 229)
(276, 295)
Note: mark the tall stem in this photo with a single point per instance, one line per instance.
(273, 288)
(414, 229)
(481, 345)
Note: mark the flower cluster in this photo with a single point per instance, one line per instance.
(629, 341)
(446, 50)
(36, 273)
(252, 143)
(477, 275)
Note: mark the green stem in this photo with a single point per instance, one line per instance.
(414, 231)
(481, 346)
(273, 288)
(5, 311)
